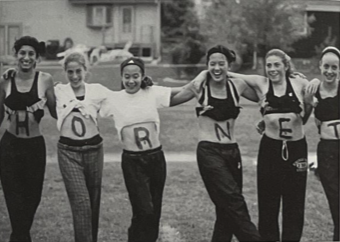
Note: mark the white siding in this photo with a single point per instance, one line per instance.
(51, 19)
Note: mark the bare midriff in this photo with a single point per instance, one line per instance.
(216, 131)
(140, 137)
(22, 124)
(330, 130)
(284, 126)
(78, 127)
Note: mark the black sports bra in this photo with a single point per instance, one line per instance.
(223, 109)
(288, 103)
(16, 101)
(327, 108)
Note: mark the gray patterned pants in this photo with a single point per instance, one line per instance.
(81, 168)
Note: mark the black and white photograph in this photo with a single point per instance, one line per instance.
(169, 120)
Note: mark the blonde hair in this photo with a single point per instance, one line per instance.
(76, 57)
(285, 59)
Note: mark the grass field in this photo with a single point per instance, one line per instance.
(188, 214)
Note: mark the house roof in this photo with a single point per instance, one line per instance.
(324, 6)
(114, 1)
(321, 5)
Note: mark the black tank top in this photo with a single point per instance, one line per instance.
(16, 101)
(327, 108)
(223, 109)
(288, 103)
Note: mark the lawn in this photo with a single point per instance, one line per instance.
(188, 214)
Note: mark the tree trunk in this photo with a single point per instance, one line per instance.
(255, 57)
(254, 60)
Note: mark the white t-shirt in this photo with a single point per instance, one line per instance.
(127, 109)
(66, 100)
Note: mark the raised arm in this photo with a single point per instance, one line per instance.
(199, 78)
(50, 95)
(183, 94)
(313, 86)
(307, 101)
(254, 81)
(245, 90)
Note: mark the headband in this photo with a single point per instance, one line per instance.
(133, 61)
(331, 49)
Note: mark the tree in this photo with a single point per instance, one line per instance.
(260, 24)
(222, 25)
(180, 27)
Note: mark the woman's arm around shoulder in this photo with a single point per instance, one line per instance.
(245, 90)
(254, 81)
(3, 84)
(49, 93)
(196, 82)
(307, 97)
(189, 91)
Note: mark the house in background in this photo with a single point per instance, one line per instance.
(326, 14)
(325, 28)
(91, 22)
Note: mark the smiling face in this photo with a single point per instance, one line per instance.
(76, 73)
(275, 68)
(218, 66)
(132, 78)
(27, 58)
(329, 66)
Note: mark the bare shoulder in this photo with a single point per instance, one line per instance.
(46, 79)
(238, 82)
(261, 79)
(261, 82)
(299, 82)
(4, 83)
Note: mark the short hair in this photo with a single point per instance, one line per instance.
(229, 54)
(76, 57)
(39, 47)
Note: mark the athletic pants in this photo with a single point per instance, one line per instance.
(221, 170)
(82, 169)
(22, 169)
(279, 179)
(144, 174)
(328, 167)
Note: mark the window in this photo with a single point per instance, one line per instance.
(127, 20)
(9, 33)
(99, 16)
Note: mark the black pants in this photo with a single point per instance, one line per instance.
(281, 179)
(22, 169)
(328, 167)
(221, 170)
(144, 175)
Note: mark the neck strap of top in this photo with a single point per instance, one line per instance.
(33, 87)
(289, 88)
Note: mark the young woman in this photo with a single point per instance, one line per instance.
(143, 163)
(218, 154)
(282, 160)
(80, 147)
(327, 119)
(23, 97)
